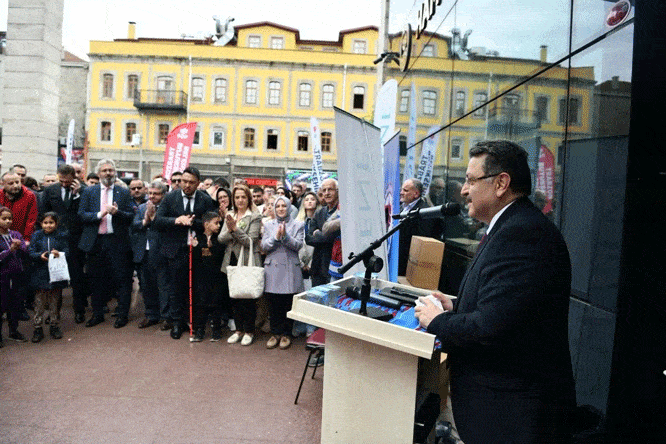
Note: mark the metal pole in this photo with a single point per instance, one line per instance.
(383, 41)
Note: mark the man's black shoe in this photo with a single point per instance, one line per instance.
(95, 320)
(55, 332)
(79, 318)
(121, 321)
(177, 330)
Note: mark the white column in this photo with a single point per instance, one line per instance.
(32, 85)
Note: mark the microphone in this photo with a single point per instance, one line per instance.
(448, 209)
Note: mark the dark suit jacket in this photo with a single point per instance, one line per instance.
(51, 200)
(507, 337)
(409, 229)
(88, 209)
(140, 234)
(174, 237)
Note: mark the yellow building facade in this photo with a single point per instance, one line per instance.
(253, 98)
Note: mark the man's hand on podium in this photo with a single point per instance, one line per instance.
(427, 310)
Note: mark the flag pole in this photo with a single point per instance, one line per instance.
(190, 279)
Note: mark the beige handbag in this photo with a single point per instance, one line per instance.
(245, 281)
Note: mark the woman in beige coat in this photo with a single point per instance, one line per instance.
(241, 225)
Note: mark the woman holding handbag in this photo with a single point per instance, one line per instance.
(283, 238)
(241, 230)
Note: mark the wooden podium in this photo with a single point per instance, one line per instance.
(371, 371)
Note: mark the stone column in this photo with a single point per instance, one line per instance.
(32, 85)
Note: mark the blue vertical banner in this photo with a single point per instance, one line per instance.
(317, 161)
(392, 201)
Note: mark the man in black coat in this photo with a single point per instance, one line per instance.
(411, 199)
(63, 198)
(322, 243)
(178, 217)
(507, 336)
(106, 213)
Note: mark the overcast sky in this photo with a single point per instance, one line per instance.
(515, 28)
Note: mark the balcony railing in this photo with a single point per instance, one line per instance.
(161, 101)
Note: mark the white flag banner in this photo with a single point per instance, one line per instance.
(427, 161)
(317, 162)
(408, 172)
(361, 187)
(385, 110)
(70, 142)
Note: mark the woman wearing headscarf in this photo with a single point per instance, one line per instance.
(283, 238)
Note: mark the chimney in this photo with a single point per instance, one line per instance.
(131, 31)
(544, 54)
(615, 82)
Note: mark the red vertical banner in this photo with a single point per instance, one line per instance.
(178, 148)
(546, 177)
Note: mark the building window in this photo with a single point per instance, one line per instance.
(541, 105)
(248, 137)
(511, 105)
(272, 140)
(197, 136)
(220, 90)
(132, 86)
(359, 46)
(302, 141)
(304, 94)
(359, 97)
(217, 138)
(274, 93)
(428, 51)
(402, 143)
(107, 86)
(251, 92)
(162, 133)
(460, 103)
(197, 89)
(165, 90)
(105, 132)
(254, 41)
(328, 96)
(456, 149)
(277, 43)
(429, 103)
(130, 130)
(404, 100)
(574, 110)
(326, 138)
(480, 99)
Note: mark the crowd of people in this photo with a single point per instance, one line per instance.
(175, 236)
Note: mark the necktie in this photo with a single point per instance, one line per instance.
(67, 197)
(188, 205)
(103, 226)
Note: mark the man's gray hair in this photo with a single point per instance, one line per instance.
(418, 185)
(105, 162)
(159, 185)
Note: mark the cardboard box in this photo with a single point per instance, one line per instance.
(425, 262)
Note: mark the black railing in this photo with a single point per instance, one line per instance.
(161, 100)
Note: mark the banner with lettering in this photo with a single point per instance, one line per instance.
(546, 177)
(408, 172)
(317, 161)
(427, 160)
(179, 148)
(384, 118)
(361, 187)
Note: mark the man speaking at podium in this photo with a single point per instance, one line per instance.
(506, 337)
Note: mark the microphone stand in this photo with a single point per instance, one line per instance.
(373, 264)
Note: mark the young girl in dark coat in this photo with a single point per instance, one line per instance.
(49, 240)
(207, 254)
(12, 251)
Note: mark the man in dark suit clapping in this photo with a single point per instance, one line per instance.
(507, 335)
(106, 213)
(63, 198)
(179, 216)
